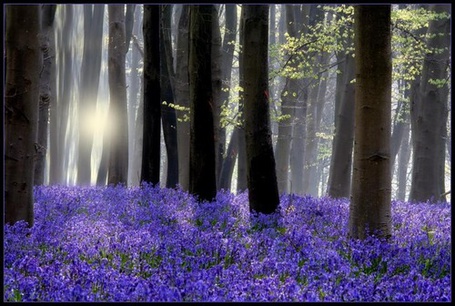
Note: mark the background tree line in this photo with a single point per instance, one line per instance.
(205, 97)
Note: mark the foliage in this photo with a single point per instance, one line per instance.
(151, 244)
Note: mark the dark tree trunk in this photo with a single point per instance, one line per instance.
(118, 120)
(23, 65)
(151, 152)
(370, 210)
(339, 184)
(429, 113)
(47, 89)
(182, 100)
(241, 161)
(89, 82)
(220, 131)
(202, 141)
(261, 175)
(169, 119)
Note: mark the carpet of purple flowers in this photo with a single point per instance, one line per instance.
(152, 244)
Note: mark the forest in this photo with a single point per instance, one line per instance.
(227, 152)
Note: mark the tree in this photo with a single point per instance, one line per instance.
(152, 101)
(47, 88)
(242, 184)
(118, 125)
(261, 175)
(370, 210)
(23, 65)
(429, 113)
(168, 116)
(227, 167)
(60, 110)
(202, 141)
(181, 97)
(339, 184)
(288, 105)
(90, 76)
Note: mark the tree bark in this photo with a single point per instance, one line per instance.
(118, 120)
(23, 66)
(370, 210)
(403, 162)
(182, 98)
(261, 175)
(134, 163)
(202, 148)
(168, 117)
(241, 158)
(429, 113)
(339, 183)
(151, 150)
(47, 89)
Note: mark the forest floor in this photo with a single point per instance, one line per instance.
(151, 244)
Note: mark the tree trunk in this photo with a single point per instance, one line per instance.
(23, 66)
(47, 89)
(202, 142)
(429, 115)
(370, 210)
(339, 183)
(228, 163)
(289, 95)
(241, 158)
(220, 131)
(226, 70)
(403, 162)
(88, 90)
(118, 120)
(60, 111)
(134, 164)
(151, 150)
(182, 99)
(261, 175)
(169, 119)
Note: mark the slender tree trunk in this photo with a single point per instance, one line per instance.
(133, 102)
(89, 83)
(285, 126)
(403, 162)
(228, 163)
(301, 89)
(168, 117)
(339, 184)
(182, 99)
(23, 65)
(60, 111)
(202, 148)
(370, 210)
(261, 175)
(429, 116)
(118, 125)
(226, 70)
(241, 161)
(47, 89)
